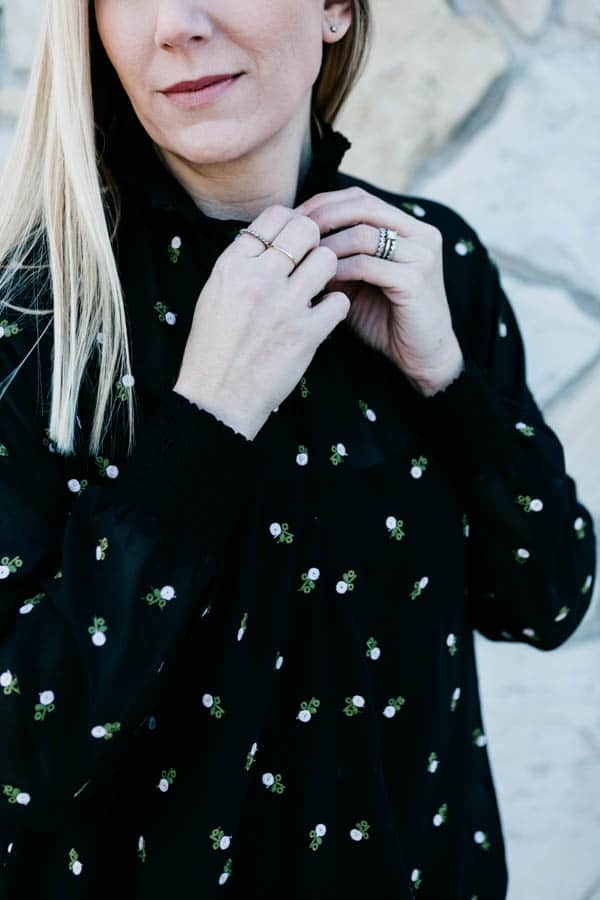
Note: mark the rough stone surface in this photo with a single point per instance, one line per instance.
(559, 344)
(425, 75)
(6, 135)
(11, 100)
(528, 15)
(542, 717)
(574, 416)
(583, 14)
(531, 178)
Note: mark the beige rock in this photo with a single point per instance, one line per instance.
(560, 340)
(529, 180)
(528, 15)
(583, 14)
(573, 416)
(428, 70)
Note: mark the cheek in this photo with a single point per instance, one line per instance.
(289, 51)
(125, 43)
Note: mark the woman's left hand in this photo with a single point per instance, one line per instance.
(399, 306)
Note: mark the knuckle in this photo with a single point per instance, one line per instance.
(360, 265)
(328, 255)
(280, 210)
(312, 228)
(429, 257)
(417, 281)
(435, 235)
(364, 235)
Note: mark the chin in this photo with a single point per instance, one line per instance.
(209, 142)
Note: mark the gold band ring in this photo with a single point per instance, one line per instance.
(289, 255)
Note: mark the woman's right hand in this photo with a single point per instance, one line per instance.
(254, 331)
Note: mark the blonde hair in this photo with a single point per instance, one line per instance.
(58, 210)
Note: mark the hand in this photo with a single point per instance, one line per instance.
(255, 330)
(399, 306)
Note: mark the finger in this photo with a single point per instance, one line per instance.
(380, 273)
(298, 237)
(309, 279)
(268, 224)
(365, 239)
(372, 211)
(321, 199)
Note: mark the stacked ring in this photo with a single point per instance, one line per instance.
(269, 245)
(388, 239)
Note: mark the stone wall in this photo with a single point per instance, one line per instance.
(493, 107)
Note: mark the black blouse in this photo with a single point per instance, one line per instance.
(246, 668)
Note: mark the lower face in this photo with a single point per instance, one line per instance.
(274, 47)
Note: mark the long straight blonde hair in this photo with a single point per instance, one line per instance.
(57, 228)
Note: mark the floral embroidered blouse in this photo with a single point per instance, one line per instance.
(246, 668)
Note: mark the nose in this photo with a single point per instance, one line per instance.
(180, 23)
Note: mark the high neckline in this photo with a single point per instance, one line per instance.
(137, 167)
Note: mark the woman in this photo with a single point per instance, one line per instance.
(237, 648)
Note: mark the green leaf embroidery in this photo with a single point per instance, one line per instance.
(273, 783)
(347, 582)
(16, 795)
(308, 708)
(106, 731)
(367, 412)
(309, 580)
(101, 548)
(220, 840)
(354, 705)
(338, 452)
(9, 566)
(74, 864)
(281, 533)
(8, 330)
(165, 314)
(214, 705)
(373, 650)
(395, 527)
(418, 587)
(525, 430)
(9, 683)
(316, 836)
(98, 631)
(360, 831)
(419, 466)
(160, 596)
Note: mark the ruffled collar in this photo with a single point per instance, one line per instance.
(139, 171)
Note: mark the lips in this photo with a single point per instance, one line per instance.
(185, 87)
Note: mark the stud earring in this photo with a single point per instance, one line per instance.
(333, 28)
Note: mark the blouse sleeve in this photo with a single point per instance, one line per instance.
(98, 586)
(532, 549)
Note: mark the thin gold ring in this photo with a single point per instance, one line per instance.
(289, 255)
(256, 235)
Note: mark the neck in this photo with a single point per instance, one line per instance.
(242, 188)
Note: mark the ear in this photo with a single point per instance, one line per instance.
(338, 13)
